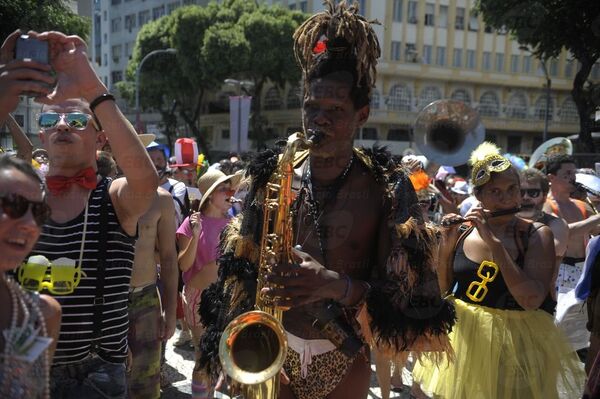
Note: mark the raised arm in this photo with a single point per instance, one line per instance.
(76, 78)
(24, 146)
(187, 240)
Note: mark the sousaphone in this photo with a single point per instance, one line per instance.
(555, 146)
(447, 131)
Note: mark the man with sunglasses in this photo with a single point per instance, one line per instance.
(94, 220)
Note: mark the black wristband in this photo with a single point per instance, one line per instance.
(100, 99)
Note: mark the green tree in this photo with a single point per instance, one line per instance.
(41, 15)
(548, 27)
(237, 38)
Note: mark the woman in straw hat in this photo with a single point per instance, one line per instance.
(500, 267)
(197, 239)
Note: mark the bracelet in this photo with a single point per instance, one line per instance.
(100, 99)
(348, 288)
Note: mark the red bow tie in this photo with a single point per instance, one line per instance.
(59, 184)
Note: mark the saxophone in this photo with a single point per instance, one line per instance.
(253, 346)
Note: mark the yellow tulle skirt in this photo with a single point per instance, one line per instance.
(504, 354)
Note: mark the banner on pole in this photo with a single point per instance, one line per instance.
(239, 115)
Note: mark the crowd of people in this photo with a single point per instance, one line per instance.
(108, 244)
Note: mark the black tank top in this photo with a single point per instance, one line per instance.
(472, 288)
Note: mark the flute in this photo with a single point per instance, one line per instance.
(502, 212)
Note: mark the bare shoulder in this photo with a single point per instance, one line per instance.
(165, 199)
(50, 308)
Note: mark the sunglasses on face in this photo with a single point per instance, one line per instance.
(75, 120)
(531, 192)
(16, 206)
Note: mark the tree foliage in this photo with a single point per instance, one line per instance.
(236, 39)
(41, 15)
(548, 27)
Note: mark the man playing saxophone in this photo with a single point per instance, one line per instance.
(360, 248)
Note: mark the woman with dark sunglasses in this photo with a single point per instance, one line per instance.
(498, 269)
(29, 322)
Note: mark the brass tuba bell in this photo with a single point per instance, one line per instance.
(447, 131)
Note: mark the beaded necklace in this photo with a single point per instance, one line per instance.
(316, 209)
(17, 377)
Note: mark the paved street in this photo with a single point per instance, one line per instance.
(180, 363)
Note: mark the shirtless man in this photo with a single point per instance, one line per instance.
(341, 223)
(582, 222)
(148, 323)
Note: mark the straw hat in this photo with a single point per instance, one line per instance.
(208, 182)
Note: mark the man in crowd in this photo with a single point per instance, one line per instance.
(582, 222)
(534, 191)
(94, 220)
(174, 187)
(148, 323)
(342, 227)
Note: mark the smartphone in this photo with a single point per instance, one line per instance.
(35, 50)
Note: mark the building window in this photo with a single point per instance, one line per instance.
(440, 56)
(105, 15)
(303, 6)
(499, 62)
(429, 14)
(412, 12)
(471, 59)
(172, 7)
(489, 104)
(105, 38)
(461, 95)
(428, 95)
(115, 25)
(292, 7)
(116, 76)
(569, 69)
(130, 22)
(115, 2)
(514, 64)
(272, 99)
(427, 54)
(400, 98)
(517, 106)
(158, 12)
(486, 61)
(443, 18)
(375, 99)
(395, 55)
(554, 67)
(513, 144)
(459, 22)
(473, 22)
(225, 134)
(410, 52)
(116, 53)
(568, 111)
(143, 17)
(398, 135)
(369, 133)
(294, 97)
(540, 109)
(527, 64)
(105, 59)
(397, 11)
(457, 58)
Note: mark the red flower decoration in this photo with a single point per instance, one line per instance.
(320, 46)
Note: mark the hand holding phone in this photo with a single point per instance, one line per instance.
(18, 77)
(29, 48)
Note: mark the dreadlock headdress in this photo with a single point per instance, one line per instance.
(338, 33)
